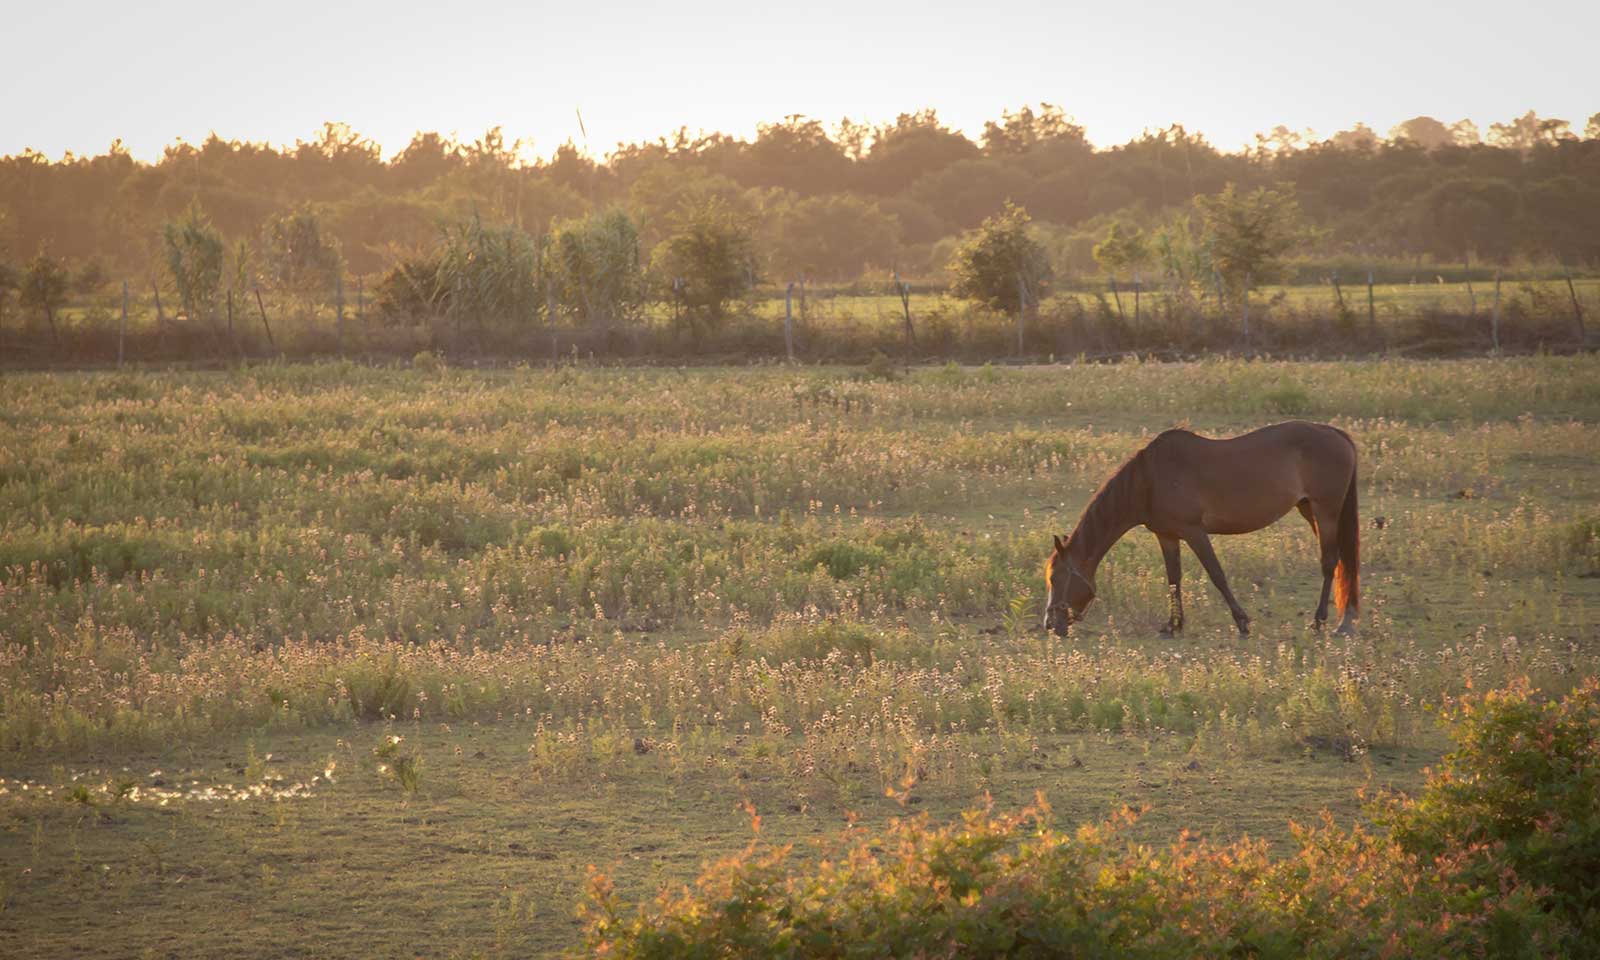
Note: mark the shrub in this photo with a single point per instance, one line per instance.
(1497, 858)
(1520, 792)
(1014, 886)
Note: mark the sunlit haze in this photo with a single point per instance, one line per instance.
(81, 75)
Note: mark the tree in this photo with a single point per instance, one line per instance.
(1470, 215)
(915, 145)
(1425, 132)
(709, 261)
(1024, 130)
(593, 267)
(1248, 234)
(10, 280)
(45, 282)
(830, 237)
(301, 259)
(796, 154)
(1000, 262)
(488, 273)
(1563, 218)
(1591, 130)
(1121, 250)
(195, 256)
(1528, 131)
(1358, 137)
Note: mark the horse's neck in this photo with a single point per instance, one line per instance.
(1103, 524)
(1095, 551)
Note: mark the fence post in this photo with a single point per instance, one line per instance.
(1372, 309)
(161, 317)
(1577, 309)
(1022, 311)
(1338, 292)
(122, 328)
(788, 321)
(1248, 280)
(1472, 298)
(361, 304)
(264, 325)
(1136, 286)
(1494, 314)
(338, 306)
(905, 304)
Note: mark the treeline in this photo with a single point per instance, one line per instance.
(833, 204)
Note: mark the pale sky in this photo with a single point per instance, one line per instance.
(77, 75)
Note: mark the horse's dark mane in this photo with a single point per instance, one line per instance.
(1117, 505)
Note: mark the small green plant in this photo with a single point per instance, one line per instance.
(399, 764)
(1018, 618)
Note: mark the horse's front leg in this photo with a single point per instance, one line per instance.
(1200, 543)
(1170, 547)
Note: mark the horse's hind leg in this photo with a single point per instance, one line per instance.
(1327, 530)
(1201, 545)
(1170, 548)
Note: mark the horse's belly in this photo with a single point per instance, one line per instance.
(1246, 517)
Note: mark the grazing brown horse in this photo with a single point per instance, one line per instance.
(1184, 487)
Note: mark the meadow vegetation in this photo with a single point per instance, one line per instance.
(449, 602)
(670, 249)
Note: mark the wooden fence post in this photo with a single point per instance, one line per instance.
(264, 325)
(1248, 280)
(122, 328)
(1338, 292)
(1136, 297)
(1372, 309)
(905, 304)
(338, 307)
(1577, 308)
(1472, 298)
(1494, 315)
(161, 317)
(788, 321)
(1022, 311)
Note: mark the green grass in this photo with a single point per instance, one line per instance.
(644, 596)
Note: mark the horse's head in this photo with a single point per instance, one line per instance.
(1070, 592)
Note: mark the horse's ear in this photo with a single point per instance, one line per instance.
(1060, 543)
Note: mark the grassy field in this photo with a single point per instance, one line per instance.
(347, 661)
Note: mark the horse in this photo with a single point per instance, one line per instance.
(1184, 487)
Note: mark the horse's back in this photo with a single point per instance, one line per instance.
(1236, 484)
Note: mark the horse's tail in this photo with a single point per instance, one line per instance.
(1347, 577)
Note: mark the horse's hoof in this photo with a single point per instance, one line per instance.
(1170, 631)
(1346, 630)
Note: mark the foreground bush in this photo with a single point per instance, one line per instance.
(1496, 858)
(1520, 792)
